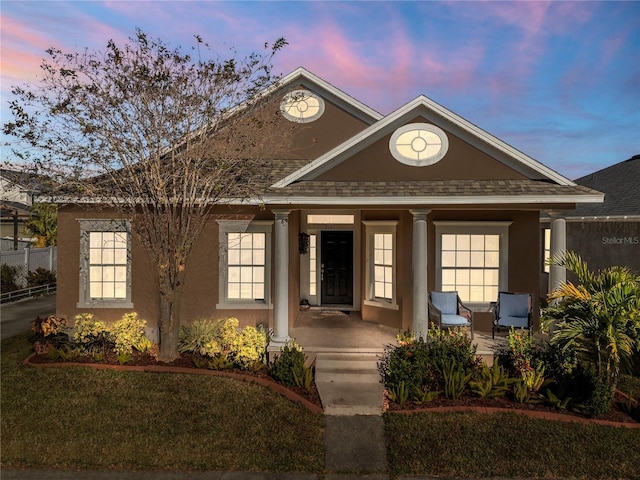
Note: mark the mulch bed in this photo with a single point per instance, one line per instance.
(617, 414)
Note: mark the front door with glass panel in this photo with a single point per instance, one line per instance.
(336, 267)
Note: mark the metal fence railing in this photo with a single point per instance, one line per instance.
(30, 292)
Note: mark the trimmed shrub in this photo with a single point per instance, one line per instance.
(288, 366)
(127, 332)
(416, 362)
(89, 334)
(249, 347)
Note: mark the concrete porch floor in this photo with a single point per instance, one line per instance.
(322, 331)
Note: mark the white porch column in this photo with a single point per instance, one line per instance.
(281, 288)
(557, 274)
(419, 265)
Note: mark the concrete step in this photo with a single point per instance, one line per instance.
(347, 368)
(349, 383)
(346, 361)
(350, 398)
(347, 376)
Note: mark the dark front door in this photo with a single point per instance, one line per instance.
(336, 260)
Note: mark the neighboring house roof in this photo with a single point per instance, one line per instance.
(9, 210)
(620, 184)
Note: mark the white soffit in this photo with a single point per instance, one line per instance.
(440, 116)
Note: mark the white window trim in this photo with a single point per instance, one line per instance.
(424, 162)
(372, 227)
(101, 225)
(500, 228)
(243, 226)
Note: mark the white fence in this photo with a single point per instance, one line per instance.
(29, 260)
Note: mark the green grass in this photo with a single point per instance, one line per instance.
(508, 445)
(103, 419)
(92, 419)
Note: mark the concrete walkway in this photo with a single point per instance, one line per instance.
(346, 351)
(352, 397)
(16, 318)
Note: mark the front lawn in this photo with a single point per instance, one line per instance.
(508, 445)
(103, 419)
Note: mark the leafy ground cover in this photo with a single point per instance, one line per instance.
(508, 445)
(103, 419)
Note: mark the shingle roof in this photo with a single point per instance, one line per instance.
(438, 188)
(534, 190)
(621, 185)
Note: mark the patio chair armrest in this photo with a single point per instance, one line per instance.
(464, 311)
(434, 314)
(493, 308)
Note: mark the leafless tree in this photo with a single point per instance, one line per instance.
(155, 133)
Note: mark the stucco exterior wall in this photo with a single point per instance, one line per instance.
(201, 285)
(604, 244)
(462, 162)
(202, 280)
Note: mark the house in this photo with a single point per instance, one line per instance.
(368, 218)
(607, 234)
(16, 197)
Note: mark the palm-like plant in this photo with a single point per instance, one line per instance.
(599, 317)
(43, 224)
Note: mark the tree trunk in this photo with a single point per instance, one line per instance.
(169, 327)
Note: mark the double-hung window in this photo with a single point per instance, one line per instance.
(105, 264)
(472, 259)
(381, 263)
(245, 264)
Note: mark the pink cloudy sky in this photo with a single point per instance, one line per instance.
(559, 81)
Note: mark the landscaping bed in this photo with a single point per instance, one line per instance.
(184, 361)
(617, 413)
(443, 373)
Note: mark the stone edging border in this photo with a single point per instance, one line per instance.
(529, 413)
(281, 389)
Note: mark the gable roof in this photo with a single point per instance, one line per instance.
(423, 106)
(303, 77)
(290, 181)
(619, 183)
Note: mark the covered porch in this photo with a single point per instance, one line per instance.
(334, 331)
(411, 244)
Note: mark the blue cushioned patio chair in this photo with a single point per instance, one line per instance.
(511, 310)
(447, 311)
